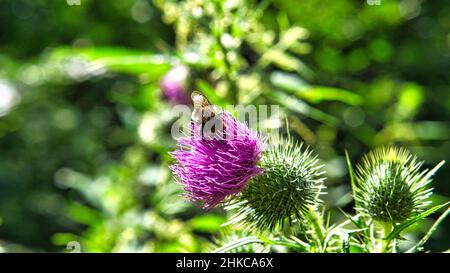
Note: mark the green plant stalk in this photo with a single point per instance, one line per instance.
(386, 245)
(232, 86)
(241, 242)
(228, 75)
(316, 224)
(287, 243)
(427, 236)
(352, 177)
(261, 240)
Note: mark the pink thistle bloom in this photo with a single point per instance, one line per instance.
(173, 85)
(211, 170)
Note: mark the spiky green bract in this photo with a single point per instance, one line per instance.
(390, 185)
(286, 192)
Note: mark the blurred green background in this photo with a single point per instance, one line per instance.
(85, 131)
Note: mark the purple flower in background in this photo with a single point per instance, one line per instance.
(211, 170)
(173, 85)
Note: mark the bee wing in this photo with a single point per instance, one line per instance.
(199, 100)
(196, 115)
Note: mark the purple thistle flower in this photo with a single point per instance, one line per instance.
(173, 85)
(211, 170)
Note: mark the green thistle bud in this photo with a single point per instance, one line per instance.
(390, 186)
(287, 191)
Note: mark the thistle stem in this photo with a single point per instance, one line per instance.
(316, 224)
(385, 231)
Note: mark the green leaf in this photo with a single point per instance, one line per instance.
(61, 239)
(430, 232)
(292, 35)
(150, 65)
(118, 59)
(359, 223)
(83, 214)
(398, 229)
(289, 82)
(414, 131)
(294, 243)
(356, 249)
(286, 62)
(207, 223)
(314, 94)
(238, 243)
(318, 94)
(264, 241)
(295, 105)
(352, 175)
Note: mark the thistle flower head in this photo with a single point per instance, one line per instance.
(286, 192)
(211, 170)
(390, 186)
(173, 85)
